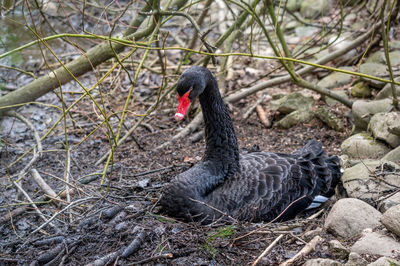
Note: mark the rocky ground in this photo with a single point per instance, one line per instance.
(118, 221)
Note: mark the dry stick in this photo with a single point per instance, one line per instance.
(35, 207)
(307, 249)
(162, 256)
(12, 214)
(262, 115)
(268, 249)
(42, 184)
(37, 154)
(259, 101)
(63, 210)
(67, 173)
(200, 23)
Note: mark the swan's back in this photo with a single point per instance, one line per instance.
(268, 185)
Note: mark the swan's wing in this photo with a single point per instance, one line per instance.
(267, 184)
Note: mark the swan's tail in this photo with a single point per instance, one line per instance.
(327, 169)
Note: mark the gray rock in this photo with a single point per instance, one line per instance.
(363, 110)
(394, 58)
(337, 250)
(349, 217)
(314, 8)
(355, 260)
(394, 123)
(379, 126)
(329, 118)
(292, 102)
(376, 244)
(361, 181)
(386, 92)
(359, 25)
(330, 101)
(393, 155)
(389, 202)
(374, 5)
(391, 219)
(321, 262)
(376, 70)
(361, 90)
(395, 44)
(306, 31)
(385, 261)
(335, 79)
(293, 5)
(351, 2)
(340, 42)
(377, 57)
(362, 146)
(294, 118)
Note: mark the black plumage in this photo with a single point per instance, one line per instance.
(256, 186)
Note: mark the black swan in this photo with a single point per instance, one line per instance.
(227, 185)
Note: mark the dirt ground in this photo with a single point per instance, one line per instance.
(122, 214)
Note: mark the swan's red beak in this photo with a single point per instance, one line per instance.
(183, 105)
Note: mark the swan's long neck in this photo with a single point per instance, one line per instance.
(221, 143)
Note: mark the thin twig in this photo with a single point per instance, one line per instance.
(67, 173)
(268, 249)
(384, 31)
(36, 154)
(307, 249)
(42, 184)
(41, 215)
(63, 210)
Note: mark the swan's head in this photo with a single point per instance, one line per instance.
(191, 84)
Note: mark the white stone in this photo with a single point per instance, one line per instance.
(363, 110)
(321, 262)
(379, 126)
(376, 244)
(389, 202)
(349, 217)
(385, 261)
(371, 179)
(391, 219)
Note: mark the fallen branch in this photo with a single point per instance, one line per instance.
(307, 249)
(42, 184)
(268, 249)
(254, 106)
(36, 154)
